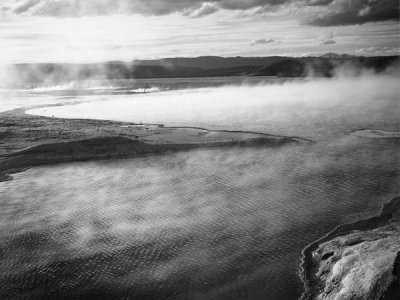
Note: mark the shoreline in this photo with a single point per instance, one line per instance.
(30, 140)
(309, 267)
(375, 133)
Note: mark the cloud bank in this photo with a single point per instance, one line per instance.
(315, 12)
(74, 8)
(348, 12)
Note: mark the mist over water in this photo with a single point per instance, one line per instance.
(63, 92)
(199, 225)
(308, 108)
(204, 224)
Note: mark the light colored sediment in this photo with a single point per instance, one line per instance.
(356, 261)
(376, 134)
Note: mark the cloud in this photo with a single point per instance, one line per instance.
(327, 39)
(25, 6)
(378, 49)
(261, 41)
(314, 12)
(348, 12)
(206, 8)
(74, 8)
(328, 42)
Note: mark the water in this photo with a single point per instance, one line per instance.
(204, 224)
(97, 90)
(316, 109)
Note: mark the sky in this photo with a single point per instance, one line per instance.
(104, 30)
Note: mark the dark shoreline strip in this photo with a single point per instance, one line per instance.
(113, 147)
(133, 124)
(307, 265)
(24, 112)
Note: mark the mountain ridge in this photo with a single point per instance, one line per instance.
(203, 66)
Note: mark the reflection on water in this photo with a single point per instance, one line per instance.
(205, 224)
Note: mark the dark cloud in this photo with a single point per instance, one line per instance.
(149, 7)
(246, 4)
(74, 8)
(348, 12)
(319, 12)
(25, 6)
(318, 2)
(328, 42)
(261, 41)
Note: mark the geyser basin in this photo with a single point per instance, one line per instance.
(203, 224)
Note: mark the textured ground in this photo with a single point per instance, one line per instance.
(357, 261)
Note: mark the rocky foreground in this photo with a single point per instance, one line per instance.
(356, 261)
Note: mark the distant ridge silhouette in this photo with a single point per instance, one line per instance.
(203, 66)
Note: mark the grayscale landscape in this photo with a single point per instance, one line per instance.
(199, 150)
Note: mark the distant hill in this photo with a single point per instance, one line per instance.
(212, 62)
(204, 66)
(326, 66)
(335, 55)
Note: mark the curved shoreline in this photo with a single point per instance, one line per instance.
(132, 124)
(307, 265)
(235, 131)
(37, 140)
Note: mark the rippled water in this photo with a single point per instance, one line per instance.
(204, 224)
(199, 225)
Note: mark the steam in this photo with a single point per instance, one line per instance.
(302, 107)
(47, 75)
